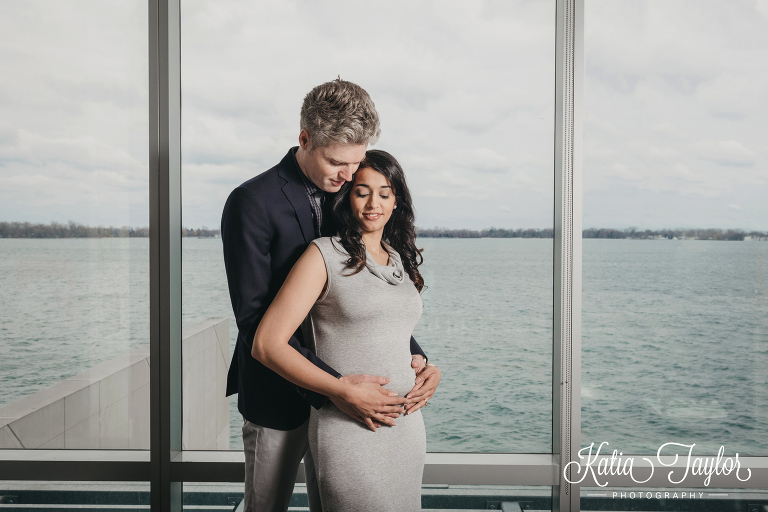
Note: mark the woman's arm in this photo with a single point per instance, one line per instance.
(366, 402)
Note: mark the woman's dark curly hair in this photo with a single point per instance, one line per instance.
(399, 232)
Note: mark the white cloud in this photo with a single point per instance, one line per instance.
(762, 7)
(674, 107)
(464, 91)
(675, 104)
(727, 153)
(73, 134)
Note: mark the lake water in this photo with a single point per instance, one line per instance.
(675, 334)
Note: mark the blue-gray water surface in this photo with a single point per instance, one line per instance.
(675, 334)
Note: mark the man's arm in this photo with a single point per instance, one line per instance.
(247, 235)
(416, 350)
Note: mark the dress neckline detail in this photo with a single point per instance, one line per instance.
(393, 272)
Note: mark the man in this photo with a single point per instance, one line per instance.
(267, 224)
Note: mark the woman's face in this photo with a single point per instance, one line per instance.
(371, 199)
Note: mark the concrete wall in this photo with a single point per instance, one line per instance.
(205, 363)
(107, 406)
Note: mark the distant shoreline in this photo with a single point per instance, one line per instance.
(728, 235)
(75, 230)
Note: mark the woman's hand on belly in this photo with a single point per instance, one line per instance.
(368, 402)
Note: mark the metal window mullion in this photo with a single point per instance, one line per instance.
(440, 468)
(576, 231)
(566, 374)
(74, 465)
(165, 250)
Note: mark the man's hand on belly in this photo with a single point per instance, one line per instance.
(367, 401)
(426, 384)
(418, 363)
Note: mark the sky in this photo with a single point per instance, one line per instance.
(675, 99)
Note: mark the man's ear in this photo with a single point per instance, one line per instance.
(304, 140)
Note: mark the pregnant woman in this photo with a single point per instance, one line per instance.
(357, 296)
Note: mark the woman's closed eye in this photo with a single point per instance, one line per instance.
(360, 194)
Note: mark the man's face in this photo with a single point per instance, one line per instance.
(329, 167)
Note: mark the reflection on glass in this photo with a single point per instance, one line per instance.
(73, 216)
(51, 495)
(675, 337)
(464, 92)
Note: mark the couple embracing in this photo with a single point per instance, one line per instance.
(323, 276)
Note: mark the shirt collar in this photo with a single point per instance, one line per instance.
(308, 184)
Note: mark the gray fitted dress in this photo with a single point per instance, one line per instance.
(363, 324)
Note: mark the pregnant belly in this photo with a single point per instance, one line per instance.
(401, 380)
(397, 368)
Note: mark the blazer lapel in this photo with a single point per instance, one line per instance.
(297, 195)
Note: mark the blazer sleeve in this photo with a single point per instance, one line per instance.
(416, 350)
(247, 235)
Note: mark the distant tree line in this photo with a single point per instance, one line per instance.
(75, 230)
(631, 233)
(203, 232)
(484, 233)
(69, 230)
(671, 234)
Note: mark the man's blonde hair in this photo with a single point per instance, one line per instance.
(339, 112)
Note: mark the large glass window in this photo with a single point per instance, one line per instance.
(465, 95)
(676, 223)
(73, 225)
(675, 252)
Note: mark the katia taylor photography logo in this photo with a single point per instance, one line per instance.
(601, 466)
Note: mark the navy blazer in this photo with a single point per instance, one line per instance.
(266, 225)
